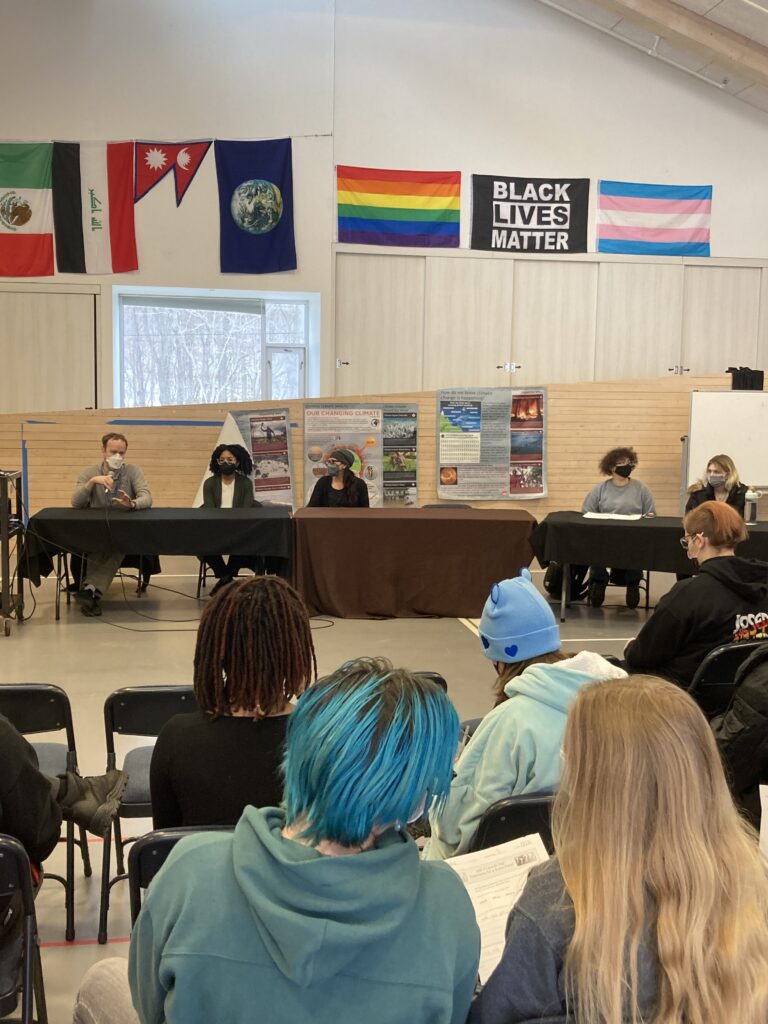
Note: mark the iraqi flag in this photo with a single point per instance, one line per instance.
(255, 206)
(156, 159)
(26, 220)
(93, 207)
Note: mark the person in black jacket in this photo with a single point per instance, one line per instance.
(726, 602)
(742, 733)
(719, 483)
(230, 486)
(339, 488)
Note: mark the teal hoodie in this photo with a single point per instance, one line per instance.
(251, 927)
(515, 749)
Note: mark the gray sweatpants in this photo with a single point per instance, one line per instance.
(101, 570)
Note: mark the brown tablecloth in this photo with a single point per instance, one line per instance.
(381, 562)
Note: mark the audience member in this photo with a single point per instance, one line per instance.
(112, 484)
(726, 602)
(720, 482)
(742, 734)
(339, 488)
(620, 496)
(655, 906)
(230, 486)
(254, 656)
(322, 911)
(516, 747)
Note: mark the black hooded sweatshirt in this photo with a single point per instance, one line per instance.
(727, 602)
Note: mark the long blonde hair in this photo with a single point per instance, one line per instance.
(650, 844)
(728, 466)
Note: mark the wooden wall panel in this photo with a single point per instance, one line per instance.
(721, 310)
(639, 319)
(379, 323)
(585, 420)
(554, 321)
(468, 322)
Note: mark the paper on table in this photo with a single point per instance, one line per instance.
(764, 820)
(494, 879)
(610, 515)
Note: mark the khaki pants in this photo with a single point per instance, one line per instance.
(101, 570)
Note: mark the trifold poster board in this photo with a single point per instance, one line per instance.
(265, 434)
(731, 423)
(491, 443)
(382, 438)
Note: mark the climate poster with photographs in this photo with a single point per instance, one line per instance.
(491, 444)
(382, 438)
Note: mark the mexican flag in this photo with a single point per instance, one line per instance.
(26, 218)
(93, 207)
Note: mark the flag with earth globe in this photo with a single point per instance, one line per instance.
(255, 206)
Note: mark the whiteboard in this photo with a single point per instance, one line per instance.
(731, 423)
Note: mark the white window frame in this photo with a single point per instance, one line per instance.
(219, 298)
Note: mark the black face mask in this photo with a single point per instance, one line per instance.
(227, 468)
(622, 471)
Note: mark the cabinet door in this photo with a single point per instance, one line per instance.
(639, 319)
(468, 322)
(379, 323)
(721, 309)
(553, 322)
(47, 340)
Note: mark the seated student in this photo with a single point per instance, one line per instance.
(742, 734)
(621, 496)
(727, 601)
(516, 747)
(32, 807)
(254, 655)
(655, 906)
(719, 483)
(322, 911)
(229, 487)
(339, 488)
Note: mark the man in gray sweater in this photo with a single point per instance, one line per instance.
(112, 485)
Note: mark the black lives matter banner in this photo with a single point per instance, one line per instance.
(529, 214)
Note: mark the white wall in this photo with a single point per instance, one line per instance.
(491, 86)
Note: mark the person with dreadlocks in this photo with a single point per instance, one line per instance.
(254, 655)
(230, 486)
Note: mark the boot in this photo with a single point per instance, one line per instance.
(92, 802)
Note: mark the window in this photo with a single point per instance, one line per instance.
(194, 349)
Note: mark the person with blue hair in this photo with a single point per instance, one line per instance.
(515, 750)
(320, 910)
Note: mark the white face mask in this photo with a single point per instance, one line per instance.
(115, 460)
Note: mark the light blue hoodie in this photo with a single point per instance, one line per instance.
(253, 928)
(516, 748)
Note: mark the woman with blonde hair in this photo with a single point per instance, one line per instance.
(720, 482)
(726, 602)
(655, 906)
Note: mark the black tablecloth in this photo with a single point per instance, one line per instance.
(570, 539)
(156, 531)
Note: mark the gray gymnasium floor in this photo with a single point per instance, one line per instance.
(151, 640)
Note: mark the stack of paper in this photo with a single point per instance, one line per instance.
(610, 515)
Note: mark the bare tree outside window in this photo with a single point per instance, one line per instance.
(181, 355)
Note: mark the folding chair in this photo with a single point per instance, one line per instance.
(41, 707)
(135, 711)
(149, 853)
(712, 685)
(514, 817)
(16, 880)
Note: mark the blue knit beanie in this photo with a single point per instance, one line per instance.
(517, 622)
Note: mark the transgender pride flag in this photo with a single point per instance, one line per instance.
(653, 220)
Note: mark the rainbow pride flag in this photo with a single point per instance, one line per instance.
(381, 207)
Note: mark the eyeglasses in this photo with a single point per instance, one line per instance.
(333, 462)
(686, 540)
(226, 462)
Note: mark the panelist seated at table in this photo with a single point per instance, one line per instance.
(113, 485)
(618, 495)
(720, 482)
(515, 749)
(339, 488)
(725, 603)
(230, 486)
